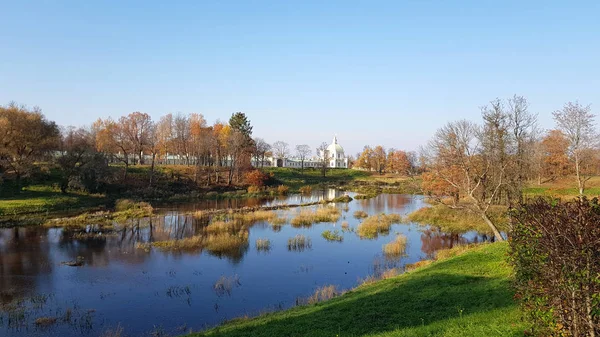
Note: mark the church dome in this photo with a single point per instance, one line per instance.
(335, 147)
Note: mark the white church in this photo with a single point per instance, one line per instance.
(335, 153)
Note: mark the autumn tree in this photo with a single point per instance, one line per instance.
(365, 159)
(25, 136)
(136, 127)
(379, 158)
(163, 136)
(398, 162)
(112, 139)
(457, 158)
(302, 152)
(577, 124)
(555, 157)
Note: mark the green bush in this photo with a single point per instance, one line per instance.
(555, 251)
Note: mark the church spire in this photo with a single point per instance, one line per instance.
(334, 139)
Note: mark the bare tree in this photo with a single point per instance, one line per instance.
(324, 157)
(455, 157)
(260, 149)
(302, 152)
(182, 136)
(577, 123)
(281, 149)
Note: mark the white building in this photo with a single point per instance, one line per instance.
(335, 155)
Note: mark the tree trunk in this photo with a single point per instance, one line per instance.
(492, 227)
(152, 169)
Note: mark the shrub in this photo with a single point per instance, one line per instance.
(282, 190)
(255, 178)
(254, 189)
(306, 189)
(555, 251)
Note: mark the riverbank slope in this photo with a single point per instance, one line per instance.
(465, 295)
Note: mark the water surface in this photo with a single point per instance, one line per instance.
(156, 292)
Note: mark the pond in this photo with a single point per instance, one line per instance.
(150, 292)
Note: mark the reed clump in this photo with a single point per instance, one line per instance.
(299, 243)
(46, 321)
(360, 214)
(226, 243)
(263, 245)
(332, 236)
(396, 248)
(374, 225)
(306, 189)
(185, 244)
(321, 294)
(261, 215)
(306, 217)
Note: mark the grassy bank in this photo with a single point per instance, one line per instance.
(41, 199)
(296, 178)
(465, 295)
(563, 188)
(459, 220)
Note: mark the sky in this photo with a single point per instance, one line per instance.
(372, 72)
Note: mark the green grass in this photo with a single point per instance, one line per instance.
(42, 199)
(465, 295)
(296, 178)
(458, 220)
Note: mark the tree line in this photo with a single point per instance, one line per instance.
(477, 165)
(219, 153)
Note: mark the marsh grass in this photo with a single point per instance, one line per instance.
(225, 285)
(224, 227)
(396, 248)
(321, 294)
(384, 275)
(374, 225)
(459, 220)
(332, 236)
(299, 243)
(185, 244)
(46, 321)
(306, 217)
(125, 210)
(263, 245)
(261, 215)
(306, 189)
(227, 243)
(360, 214)
(116, 332)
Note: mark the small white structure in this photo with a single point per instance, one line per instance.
(335, 155)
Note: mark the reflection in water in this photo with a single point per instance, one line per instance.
(433, 240)
(220, 280)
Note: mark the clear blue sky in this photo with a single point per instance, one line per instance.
(373, 72)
